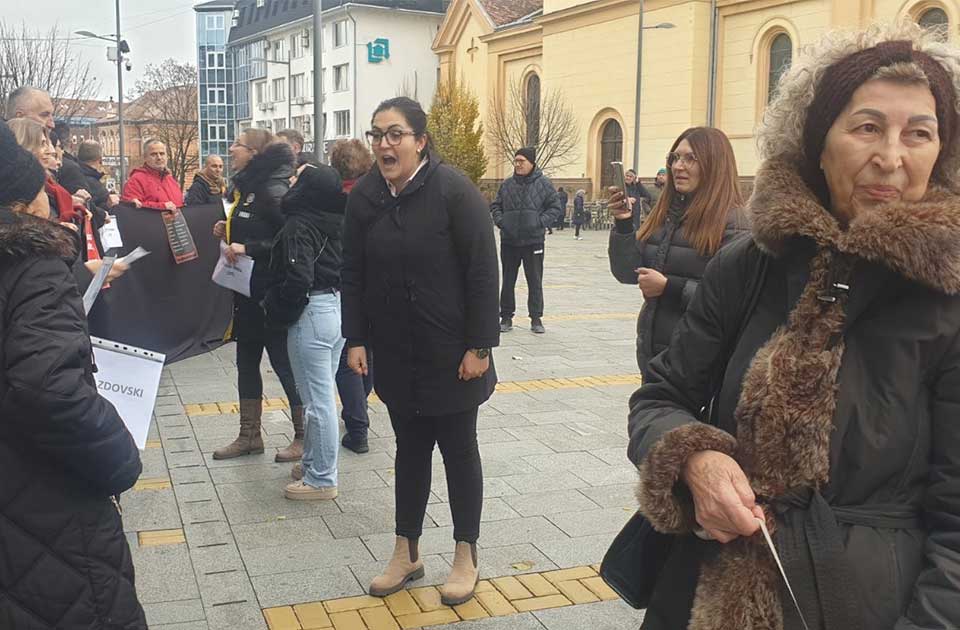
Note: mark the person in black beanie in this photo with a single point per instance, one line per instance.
(64, 450)
(526, 205)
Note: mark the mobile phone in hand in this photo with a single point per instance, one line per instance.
(620, 181)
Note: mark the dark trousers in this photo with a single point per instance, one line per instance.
(532, 258)
(577, 233)
(354, 391)
(252, 336)
(456, 434)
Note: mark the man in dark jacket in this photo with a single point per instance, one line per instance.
(525, 206)
(640, 198)
(208, 185)
(564, 198)
(64, 451)
(90, 156)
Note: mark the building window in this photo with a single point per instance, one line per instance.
(265, 124)
(611, 150)
(781, 55)
(531, 106)
(279, 90)
(278, 51)
(214, 22)
(215, 61)
(302, 124)
(217, 132)
(216, 96)
(279, 123)
(299, 43)
(342, 120)
(296, 86)
(262, 92)
(340, 78)
(340, 34)
(261, 3)
(935, 20)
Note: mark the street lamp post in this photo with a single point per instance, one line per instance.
(319, 129)
(289, 84)
(636, 114)
(122, 47)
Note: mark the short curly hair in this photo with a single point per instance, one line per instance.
(351, 158)
(780, 135)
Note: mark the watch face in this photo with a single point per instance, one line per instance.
(482, 353)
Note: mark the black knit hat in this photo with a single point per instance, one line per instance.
(530, 153)
(21, 175)
(844, 77)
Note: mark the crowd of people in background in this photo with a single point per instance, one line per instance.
(799, 350)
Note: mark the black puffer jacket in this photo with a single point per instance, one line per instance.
(64, 451)
(841, 405)
(307, 254)
(669, 252)
(420, 287)
(255, 217)
(524, 208)
(94, 185)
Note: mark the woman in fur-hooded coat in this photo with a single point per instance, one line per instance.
(838, 389)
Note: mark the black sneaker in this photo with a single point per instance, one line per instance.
(355, 444)
(536, 325)
(506, 324)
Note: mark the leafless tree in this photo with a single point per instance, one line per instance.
(48, 61)
(167, 110)
(529, 117)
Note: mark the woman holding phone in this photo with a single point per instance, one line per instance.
(697, 213)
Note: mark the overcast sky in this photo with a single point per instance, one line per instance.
(154, 29)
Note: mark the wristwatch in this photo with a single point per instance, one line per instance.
(481, 353)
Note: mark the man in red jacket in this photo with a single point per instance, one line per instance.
(152, 185)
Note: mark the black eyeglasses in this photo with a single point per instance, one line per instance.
(687, 159)
(393, 135)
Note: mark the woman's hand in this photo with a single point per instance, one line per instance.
(618, 205)
(357, 360)
(651, 282)
(118, 269)
(471, 367)
(726, 507)
(220, 229)
(233, 250)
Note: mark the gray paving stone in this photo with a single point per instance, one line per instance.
(292, 531)
(575, 552)
(247, 460)
(436, 570)
(193, 512)
(502, 421)
(351, 462)
(145, 510)
(493, 510)
(592, 522)
(315, 555)
(223, 588)
(559, 416)
(510, 560)
(546, 503)
(492, 486)
(357, 501)
(194, 491)
(239, 616)
(619, 495)
(359, 480)
(531, 483)
(363, 522)
(561, 462)
(250, 490)
(299, 587)
(252, 472)
(182, 611)
(526, 621)
(434, 540)
(494, 436)
(533, 529)
(212, 559)
(615, 456)
(204, 534)
(608, 475)
(613, 615)
(164, 574)
(495, 466)
(562, 438)
(276, 507)
(190, 625)
(154, 463)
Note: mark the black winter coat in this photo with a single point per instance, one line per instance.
(840, 404)
(524, 208)
(93, 180)
(579, 212)
(307, 254)
(420, 287)
(64, 451)
(669, 252)
(201, 192)
(256, 218)
(71, 176)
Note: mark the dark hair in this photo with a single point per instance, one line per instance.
(293, 136)
(412, 111)
(630, 170)
(61, 131)
(89, 151)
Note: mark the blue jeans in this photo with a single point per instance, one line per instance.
(354, 391)
(314, 344)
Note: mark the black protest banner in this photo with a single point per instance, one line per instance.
(159, 305)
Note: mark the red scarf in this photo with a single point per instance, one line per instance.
(66, 213)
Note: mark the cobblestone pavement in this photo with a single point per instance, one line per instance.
(216, 544)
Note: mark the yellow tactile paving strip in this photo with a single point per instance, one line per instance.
(421, 607)
(157, 483)
(507, 387)
(160, 537)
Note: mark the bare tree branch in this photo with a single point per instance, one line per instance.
(168, 106)
(47, 61)
(554, 131)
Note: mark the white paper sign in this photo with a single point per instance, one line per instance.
(110, 234)
(129, 378)
(234, 276)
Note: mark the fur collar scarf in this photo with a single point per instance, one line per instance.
(778, 448)
(23, 236)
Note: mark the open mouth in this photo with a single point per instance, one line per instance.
(388, 160)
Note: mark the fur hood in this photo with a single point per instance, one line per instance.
(274, 162)
(23, 236)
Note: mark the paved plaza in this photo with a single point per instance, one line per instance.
(216, 545)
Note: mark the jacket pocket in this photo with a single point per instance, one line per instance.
(521, 224)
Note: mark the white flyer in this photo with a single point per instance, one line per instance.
(783, 574)
(234, 276)
(110, 234)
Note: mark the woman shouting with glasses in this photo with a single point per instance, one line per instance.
(420, 290)
(696, 214)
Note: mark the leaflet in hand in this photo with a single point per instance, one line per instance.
(233, 275)
(134, 256)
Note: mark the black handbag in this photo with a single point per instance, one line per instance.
(636, 557)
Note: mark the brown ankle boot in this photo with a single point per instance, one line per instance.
(463, 579)
(249, 442)
(404, 566)
(294, 452)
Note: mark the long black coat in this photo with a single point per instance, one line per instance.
(256, 216)
(420, 287)
(669, 252)
(841, 406)
(64, 451)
